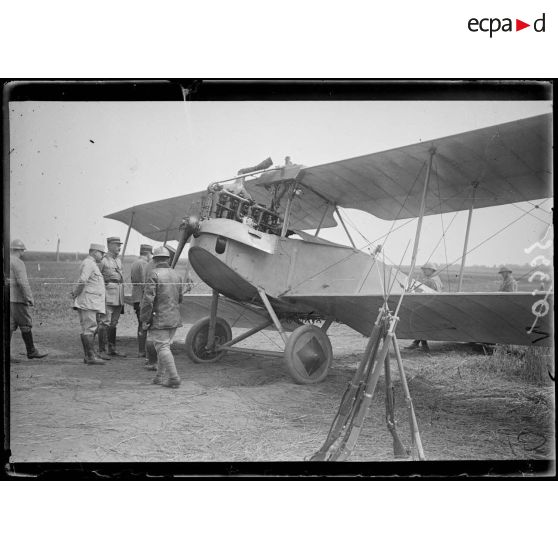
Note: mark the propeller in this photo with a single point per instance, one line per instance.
(189, 226)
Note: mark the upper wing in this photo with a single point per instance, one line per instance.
(466, 317)
(160, 220)
(511, 163)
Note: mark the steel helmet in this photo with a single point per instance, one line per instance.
(17, 244)
(161, 252)
(503, 269)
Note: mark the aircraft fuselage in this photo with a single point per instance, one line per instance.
(236, 260)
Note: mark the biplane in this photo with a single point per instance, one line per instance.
(254, 239)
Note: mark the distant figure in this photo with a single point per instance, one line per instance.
(89, 300)
(508, 284)
(435, 283)
(426, 278)
(111, 268)
(137, 276)
(21, 298)
(160, 314)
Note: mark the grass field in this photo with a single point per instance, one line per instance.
(469, 406)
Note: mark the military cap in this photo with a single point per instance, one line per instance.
(146, 248)
(98, 247)
(428, 265)
(113, 240)
(161, 252)
(17, 244)
(503, 269)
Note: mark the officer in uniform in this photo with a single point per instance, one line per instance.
(89, 300)
(111, 269)
(508, 284)
(160, 314)
(435, 283)
(21, 298)
(137, 276)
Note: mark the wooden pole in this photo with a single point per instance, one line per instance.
(58, 251)
(465, 245)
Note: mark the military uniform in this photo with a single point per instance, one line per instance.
(21, 299)
(137, 276)
(508, 284)
(111, 269)
(160, 310)
(149, 346)
(435, 283)
(89, 300)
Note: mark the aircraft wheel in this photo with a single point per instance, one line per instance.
(196, 340)
(308, 354)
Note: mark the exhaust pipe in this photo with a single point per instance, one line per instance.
(260, 167)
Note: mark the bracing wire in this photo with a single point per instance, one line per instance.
(487, 239)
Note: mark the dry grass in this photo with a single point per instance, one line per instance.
(532, 364)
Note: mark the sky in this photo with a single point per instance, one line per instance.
(71, 163)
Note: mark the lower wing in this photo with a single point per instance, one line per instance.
(505, 318)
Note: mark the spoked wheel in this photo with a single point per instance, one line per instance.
(308, 354)
(196, 340)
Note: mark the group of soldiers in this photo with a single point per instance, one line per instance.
(98, 297)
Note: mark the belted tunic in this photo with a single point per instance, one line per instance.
(111, 269)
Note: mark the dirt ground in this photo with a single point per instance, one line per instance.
(248, 409)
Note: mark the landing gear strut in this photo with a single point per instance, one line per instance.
(307, 354)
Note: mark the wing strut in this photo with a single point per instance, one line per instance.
(419, 224)
(126, 239)
(344, 226)
(465, 245)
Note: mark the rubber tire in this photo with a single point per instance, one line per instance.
(292, 342)
(198, 335)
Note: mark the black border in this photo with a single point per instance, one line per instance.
(252, 90)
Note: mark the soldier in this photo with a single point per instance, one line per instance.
(111, 268)
(434, 283)
(151, 353)
(160, 314)
(89, 300)
(21, 298)
(137, 276)
(508, 284)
